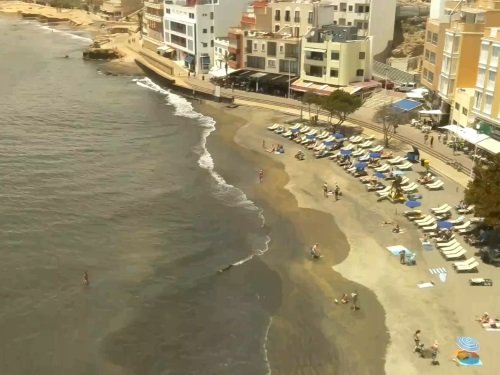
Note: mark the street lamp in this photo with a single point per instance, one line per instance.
(289, 76)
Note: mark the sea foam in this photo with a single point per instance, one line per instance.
(227, 193)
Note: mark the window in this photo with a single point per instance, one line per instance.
(256, 62)
(429, 36)
(360, 73)
(425, 72)
(271, 48)
(287, 15)
(271, 63)
(263, 47)
(255, 47)
(310, 18)
(349, 23)
(491, 80)
(211, 29)
(334, 73)
(276, 28)
(434, 39)
(204, 31)
(432, 58)
(191, 15)
(211, 15)
(464, 111)
(167, 11)
(427, 55)
(277, 15)
(335, 7)
(281, 48)
(457, 106)
(478, 98)
(296, 17)
(204, 45)
(480, 77)
(361, 55)
(350, 8)
(334, 22)
(487, 104)
(335, 56)
(430, 76)
(483, 57)
(296, 32)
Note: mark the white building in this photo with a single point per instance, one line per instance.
(190, 27)
(374, 18)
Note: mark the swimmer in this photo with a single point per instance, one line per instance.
(86, 279)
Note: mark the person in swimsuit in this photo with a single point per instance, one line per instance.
(86, 278)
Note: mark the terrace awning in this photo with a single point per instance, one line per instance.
(491, 145)
(436, 112)
(467, 134)
(320, 88)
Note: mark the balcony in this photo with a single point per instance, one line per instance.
(152, 17)
(154, 5)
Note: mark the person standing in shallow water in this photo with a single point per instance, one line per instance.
(354, 299)
(86, 279)
(261, 175)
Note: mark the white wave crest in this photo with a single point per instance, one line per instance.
(227, 193)
(68, 33)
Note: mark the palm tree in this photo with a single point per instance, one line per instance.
(227, 58)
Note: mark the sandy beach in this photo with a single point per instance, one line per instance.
(353, 239)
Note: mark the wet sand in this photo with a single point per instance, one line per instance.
(309, 333)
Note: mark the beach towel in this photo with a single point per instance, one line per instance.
(394, 250)
(437, 270)
(425, 285)
(442, 277)
(470, 362)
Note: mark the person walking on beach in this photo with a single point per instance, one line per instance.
(354, 299)
(426, 137)
(325, 190)
(86, 279)
(416, 340)
(337, 192)
(402, 256)
(261, 175)
(434, 353)
(432, 141)
(315, 254)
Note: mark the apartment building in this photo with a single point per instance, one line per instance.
(461, 110)
(152, 37)
(190, 27)
(334, 56)
(487, 86)
(374, 18)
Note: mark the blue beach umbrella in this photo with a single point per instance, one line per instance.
(360, 165)
(468, 344)
(311, 136)
(295, 130)
(380, 175)
(345, 152)
(444, 224)
(328, 143)
(339, 136)
(413, 204)
(375, 155)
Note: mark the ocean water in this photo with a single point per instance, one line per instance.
(112, 176)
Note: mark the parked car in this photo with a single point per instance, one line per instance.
(406, 87)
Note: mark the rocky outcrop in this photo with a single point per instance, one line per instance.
(101, 54)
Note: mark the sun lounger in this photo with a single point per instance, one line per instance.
(358, 152)
(396, 160)
(378, 148)
(443, 240)
(469, 229)
(356, 139)
(446, 244)
(287, 134)
(466, 265)
(405, 166)
(366, 144)
(376, 187)
(430, 228)
(371, 137)
(466, 210)
(273, 126)
(412, 187)
(412, 213)
(457, 221)
(465, 225)
(329, 139)
(324, 134)
(364, 157)
(351, 169)
(387, 189)
(443, 208)
(425, 223)
(297, 125)
(426, 218)
(451, 247)
(348, 147)
(305, 129)
(279, 130)
(435, 185)
(383, 168)
(456, 255)
(404, 180)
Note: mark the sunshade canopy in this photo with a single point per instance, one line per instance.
(407, 105)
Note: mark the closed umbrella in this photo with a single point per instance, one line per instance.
(444, 224)
(468, 344)
(413, 204)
